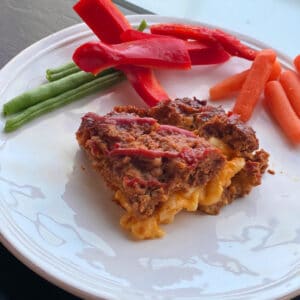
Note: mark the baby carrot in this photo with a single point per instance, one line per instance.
(280, 107)
(291, 85)
(254, 84)
(228, 86)
(234, 83)
(297, 63)
(276, 71)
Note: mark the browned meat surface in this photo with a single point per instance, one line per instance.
(208, 121)
(145, 160)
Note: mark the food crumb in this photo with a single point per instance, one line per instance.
(272, 172)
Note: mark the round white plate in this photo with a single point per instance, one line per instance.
(57, 217)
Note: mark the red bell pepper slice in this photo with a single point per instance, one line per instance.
(185, 32)
(146, 85)
(233, 45)
(133, 35)
(200, 53)
(208, 55)
(203, 34)
(104, 18)
(107, 22)
(162, 52)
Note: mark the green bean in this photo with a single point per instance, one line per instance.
(61, 68)
(56, 76)
(67, 84)
(49, 90)
(60, 72)
(41, 108)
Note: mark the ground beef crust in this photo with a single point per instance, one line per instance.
(208, 121)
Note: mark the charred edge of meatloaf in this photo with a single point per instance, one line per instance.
(145, 160)
(209, 121)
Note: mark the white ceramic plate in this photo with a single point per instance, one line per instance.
(57, 216)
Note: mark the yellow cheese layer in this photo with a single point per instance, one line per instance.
(188, 200)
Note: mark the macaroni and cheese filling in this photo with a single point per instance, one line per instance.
(189, 200)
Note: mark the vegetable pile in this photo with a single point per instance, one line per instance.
(124, 52)
(281, 91)
(137, 54)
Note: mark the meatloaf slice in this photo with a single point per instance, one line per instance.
(224, 130)
(145, 162)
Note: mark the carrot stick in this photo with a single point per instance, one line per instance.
(234, 83)
(254, 84)
(291, 85)
(228, 86)
(280, 107)
(297, 63)
(276, 71)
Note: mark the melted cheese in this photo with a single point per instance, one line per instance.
(208, 195)
(215, 188)
(226, 150)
